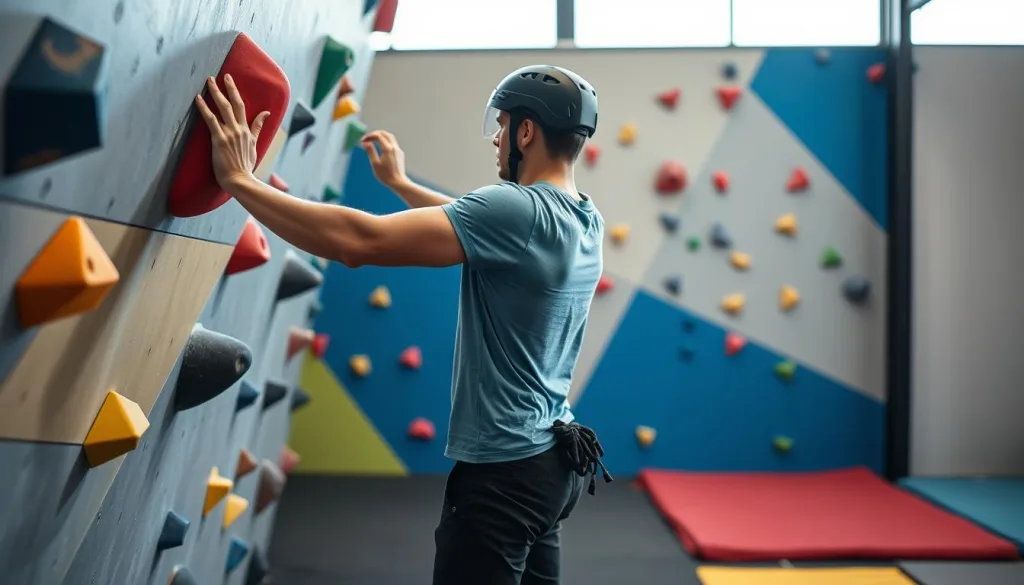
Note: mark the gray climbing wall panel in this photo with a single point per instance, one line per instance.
(62, 523)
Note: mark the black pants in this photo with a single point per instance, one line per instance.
(501, 522)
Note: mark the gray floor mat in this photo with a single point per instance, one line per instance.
(965, 573)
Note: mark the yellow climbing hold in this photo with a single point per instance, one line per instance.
(733, 304)
(380, 297)
(233, 508)
(345, 107)
(620, 233)
(627, 134)
(789, 297)
(645, 435)
(740, 260)
(360, 365)
(117, 430)
(786, 224)
(217, 488)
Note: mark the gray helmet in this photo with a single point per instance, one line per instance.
(556, 97)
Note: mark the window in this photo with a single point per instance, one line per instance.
(829, 23)
(471, 24)
(652, 23)
(968, 22)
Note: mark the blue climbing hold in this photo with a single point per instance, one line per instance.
(729, 71)
(173, 533)
(237, 551)
(247, 395)
(719, 237)
(856, 289)
(368, 5)
(669, 222)
(674, 285)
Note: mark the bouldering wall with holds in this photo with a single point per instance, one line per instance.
(147, 312)
(744, 197)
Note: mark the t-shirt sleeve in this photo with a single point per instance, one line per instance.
(494, 224)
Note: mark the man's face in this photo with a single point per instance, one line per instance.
(501, 145)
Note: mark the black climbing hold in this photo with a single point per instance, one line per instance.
(368, 5)
(297, 277)
(299, 399)
(213, 362)
(273, 392)
(719, 237)
(173, 533)
(307, 140)
(669, 222)
(686, 354)
(182, 576)
(673, 284)
(258, 567)
(729, 71)
(314, 309)
(302, 118)
(856, 289)
(55, 100)
(247, 394)
(689, 325)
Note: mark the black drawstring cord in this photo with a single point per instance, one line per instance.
(584, 451)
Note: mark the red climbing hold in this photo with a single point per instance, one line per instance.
(592, 152)
(278, 183)
(670, 98)
(411, 358)
(671, 178)
(798, 181)
(319, 345)
(264, 87)
(385, 16)
(728, 95)
(289, 459)
(604, 284)
(876, 73)
(734, 342)
(720, 179)
(421, 429)
(250, 251)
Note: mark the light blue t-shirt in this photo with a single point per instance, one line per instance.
(533, 259)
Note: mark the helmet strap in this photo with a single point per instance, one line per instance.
(515, 156)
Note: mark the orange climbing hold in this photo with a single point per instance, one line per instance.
(234, 507)
(289, 459)
(251, 249)
(360, 365)
(411, 358)
(246, 463)
(798, 180)
(117, 430)
(720, 179)
(71, 275)
(646, 435)
(604, 284)
(671, 178)
(728, 96)
(789, 297)
(876, 73)
(380, 298)
(733, 304)
(346, 107)
(670, 97)
(734, 342)
(217, 488)
(619, 233)
(421, 429)
(278, 183)
(591, 153)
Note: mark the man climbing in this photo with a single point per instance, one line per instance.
(530, 249)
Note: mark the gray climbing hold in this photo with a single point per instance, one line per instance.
(247, 395)
(823, 56)
(173, 533)
(307, 140)
(181, 576)
(273, 392)
(297, 277)
(212, 363)
(299, 399)
(302, 118)
(719, 237)
(669, 222)
(673, 284)
(258, 567)
(856, 289)
(314, 309)
(271, 485)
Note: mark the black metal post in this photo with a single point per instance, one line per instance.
(565, 22)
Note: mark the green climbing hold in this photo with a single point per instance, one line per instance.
(830, 258)
(782, 444)
(785, 370)
(335, 61)
(693, 243)
(353, 134)
(330, 195)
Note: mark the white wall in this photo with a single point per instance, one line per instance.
(968, 387)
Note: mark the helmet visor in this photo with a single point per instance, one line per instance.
(490, 121)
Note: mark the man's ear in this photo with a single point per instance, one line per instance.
(527, 133)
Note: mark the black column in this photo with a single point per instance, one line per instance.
(566, 20)
(899, 70)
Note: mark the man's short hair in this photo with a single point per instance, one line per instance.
(562, 144)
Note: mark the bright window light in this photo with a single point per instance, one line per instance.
(652, 23)
(968, 22)
(773, 23)
(472, 24)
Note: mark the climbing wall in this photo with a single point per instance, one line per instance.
(153, 332)
(740, 322)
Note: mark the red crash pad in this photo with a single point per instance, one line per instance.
(841, 514)
(264, 87)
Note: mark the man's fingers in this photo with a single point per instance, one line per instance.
(257, 124)
(371, 152)
(237, 105)
(226, 113)
(211, 119)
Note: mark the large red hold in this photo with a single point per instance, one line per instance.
(264, 87)
(671, 178)
(421, 429)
